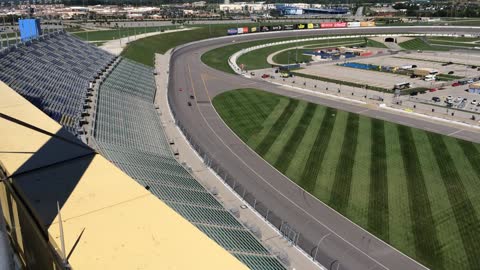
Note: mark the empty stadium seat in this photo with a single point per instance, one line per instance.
(54, 73)
(128, 131)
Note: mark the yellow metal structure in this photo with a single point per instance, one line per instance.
(124, 226)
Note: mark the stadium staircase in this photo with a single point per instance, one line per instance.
(128, 131)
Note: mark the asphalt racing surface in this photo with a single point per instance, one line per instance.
(343, 244)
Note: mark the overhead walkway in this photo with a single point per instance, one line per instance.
(109, 220)
(128, 131)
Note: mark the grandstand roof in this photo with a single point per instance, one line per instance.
(126, 227)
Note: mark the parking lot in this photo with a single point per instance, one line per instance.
(459, 98)
(433, 60)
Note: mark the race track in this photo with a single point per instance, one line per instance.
(344, 245)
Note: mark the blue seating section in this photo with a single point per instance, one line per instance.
(54, 73)
(128, 132)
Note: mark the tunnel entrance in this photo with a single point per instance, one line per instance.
(391, 39)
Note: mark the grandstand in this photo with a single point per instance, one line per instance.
(125, 112)
(107, 216)
(58, 73)
(53, 73)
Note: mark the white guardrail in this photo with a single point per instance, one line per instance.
(232, 60)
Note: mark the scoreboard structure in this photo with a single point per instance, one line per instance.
(29, 29)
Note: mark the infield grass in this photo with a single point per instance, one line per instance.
(419, 44)
(104, 35)
(417, 190)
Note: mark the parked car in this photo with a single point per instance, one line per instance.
(456, 84)
(474, 102)
(252, 73)
(449, 98)
(451, 72)
(432, 89)
(264, 76)
(414, 93)
(458, 99)
(189, 104)
(436, 99)
(192, 97)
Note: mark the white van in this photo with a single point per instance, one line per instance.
(429, 78)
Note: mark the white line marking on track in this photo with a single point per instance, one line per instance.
(455, 132)
(278, 191)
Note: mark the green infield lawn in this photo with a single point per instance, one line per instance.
(375, 44)
(417, 190)
(257, 59)
(120, 32)
(291, 56)
(218, 58)
(418, 44)
(464, 42)
(143, 50)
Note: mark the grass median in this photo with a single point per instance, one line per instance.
(330, 80)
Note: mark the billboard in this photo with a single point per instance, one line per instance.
(264, 29)
(327, 25)
(353, 24)
(367, 24)
(240, 30)
(340, 24)
(310, 26)
(253, 29)
(301, 26)
(275, 27)
(288, 27)
(29, 29)
(232, 31)
(245, 29)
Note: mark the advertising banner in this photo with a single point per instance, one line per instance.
(340, 25)
(232, 31)
(276, 28)
(301, 26)
(353, 24)
(327, 25)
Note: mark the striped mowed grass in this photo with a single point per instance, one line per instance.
(417, 190)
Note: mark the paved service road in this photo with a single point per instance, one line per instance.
(343, 245)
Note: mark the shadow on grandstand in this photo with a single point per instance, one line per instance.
(51, 174)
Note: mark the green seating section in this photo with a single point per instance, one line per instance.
(259, 262)
(129, 133)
